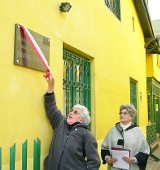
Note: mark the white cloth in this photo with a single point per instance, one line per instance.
(125, 126)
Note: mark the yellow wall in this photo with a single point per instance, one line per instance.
(153, 66)
(149, 65)
(116, 53)
(123, 57)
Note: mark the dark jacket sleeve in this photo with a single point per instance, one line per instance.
(104, 153)
(142, 160)
(53, 113)
(91, 152)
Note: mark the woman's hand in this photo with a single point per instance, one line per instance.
(129, 160)
(111, 160)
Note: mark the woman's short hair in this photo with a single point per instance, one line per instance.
(84, 113)
(130, 108)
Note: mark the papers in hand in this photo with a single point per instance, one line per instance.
(119, 153)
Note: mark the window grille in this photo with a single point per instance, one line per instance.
(151, 133)
(114, 6)
(76, 80)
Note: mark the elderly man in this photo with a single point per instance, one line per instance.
(73, 147)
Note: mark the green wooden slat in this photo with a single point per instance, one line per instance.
(36, 158)
(24, 155)
(71, 70)
(39, 152)
(12, 157)
(0, 158)
(158, 117)
(154, 108)
(156, 159)
(73, 80)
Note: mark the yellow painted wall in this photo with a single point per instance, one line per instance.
(116, 53)
(153, 66)
(149, 65)
(125, 57)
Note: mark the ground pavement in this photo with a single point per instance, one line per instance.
(152, 164)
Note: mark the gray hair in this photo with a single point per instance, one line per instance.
(130, 109)
(84, 113)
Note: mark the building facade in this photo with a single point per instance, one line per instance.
(96, 53)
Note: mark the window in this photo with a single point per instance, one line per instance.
(76, 80)
(114, 6)
(133, 95)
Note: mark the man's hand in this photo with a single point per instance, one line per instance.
(50, 81)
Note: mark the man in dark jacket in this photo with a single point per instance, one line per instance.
(73, 147)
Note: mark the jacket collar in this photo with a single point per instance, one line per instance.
(120, 129)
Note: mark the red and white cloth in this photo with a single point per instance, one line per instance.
(37, 50)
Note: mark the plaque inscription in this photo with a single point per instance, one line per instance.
(24, 54)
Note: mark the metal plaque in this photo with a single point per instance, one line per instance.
(24, 54)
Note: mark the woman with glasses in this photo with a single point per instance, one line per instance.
(125, 136)
(73, 146)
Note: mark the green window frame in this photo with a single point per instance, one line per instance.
(76, 81)
(133, 95)
(114, 6)
(153, 94)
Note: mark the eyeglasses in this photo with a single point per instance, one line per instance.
(124, 113)
(74, 111)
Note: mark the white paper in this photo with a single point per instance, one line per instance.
(119, 154)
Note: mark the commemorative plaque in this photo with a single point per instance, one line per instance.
(24, 54)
